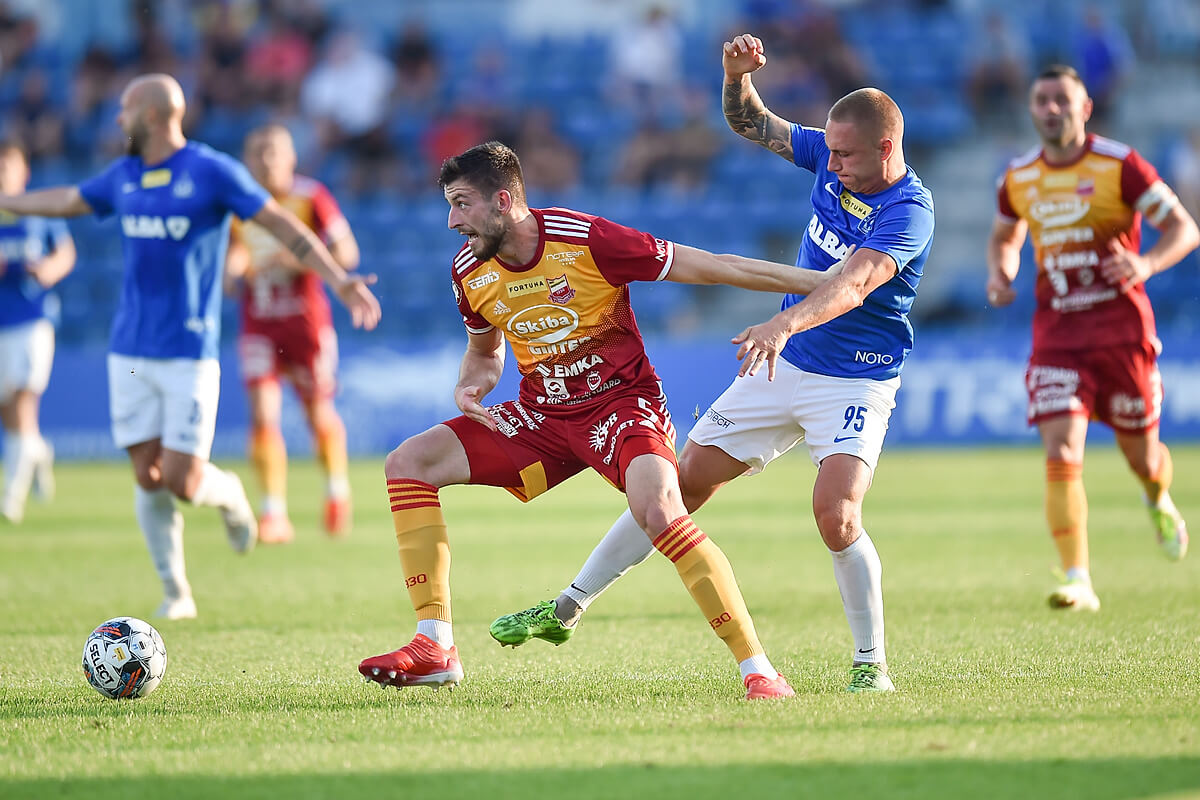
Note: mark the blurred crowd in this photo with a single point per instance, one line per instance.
(377, 93)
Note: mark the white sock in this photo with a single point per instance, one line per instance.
(337, 486)
(274, 505)
(1079, 574)
(162, 525)
(439, 630)
(624, 546)
(757, 664)
(218, 488)
(21, 456)
(859, 577)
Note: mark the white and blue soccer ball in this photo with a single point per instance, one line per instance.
(124, 658)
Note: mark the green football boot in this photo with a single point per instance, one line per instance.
(1170, 529)
(869, 678)
(538, 622)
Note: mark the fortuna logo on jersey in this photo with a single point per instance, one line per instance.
(141, 226)
(560, 291)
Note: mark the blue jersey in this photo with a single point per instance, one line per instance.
(25, 241)
(175, 230)
(873, 340)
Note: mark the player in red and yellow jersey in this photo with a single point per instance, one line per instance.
(287, 331)
(553, 283)
(1081, 198)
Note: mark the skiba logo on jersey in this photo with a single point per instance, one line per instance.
(142, 226)
(560, 291)
(543, 324)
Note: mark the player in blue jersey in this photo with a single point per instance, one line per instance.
(174, 199)
(35, 254)
(833, 358)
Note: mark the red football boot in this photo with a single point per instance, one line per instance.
(421, 662)
(760, 687)
(338, 516)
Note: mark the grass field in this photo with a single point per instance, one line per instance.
(998, 696)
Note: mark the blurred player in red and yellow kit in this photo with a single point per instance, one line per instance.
(287, 331)
(1082, 198)
(554, 284)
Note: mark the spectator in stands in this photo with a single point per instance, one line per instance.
(999, 70)
(418, 73)
(222, 74)
(550, 162)
(1104, 56)
(91, 103)
(347, 94)
(278, 59)
(647, 61)
(675, 157)
(36, 120)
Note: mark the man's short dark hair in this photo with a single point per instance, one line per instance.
(1054, 71)
(489, 167)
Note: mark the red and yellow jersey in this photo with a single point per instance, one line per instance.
(271, 294)
(566, 313)
(1076, 213)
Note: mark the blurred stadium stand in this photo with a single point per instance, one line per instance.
(459, 71)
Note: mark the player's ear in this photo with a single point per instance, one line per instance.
(886, 148)
(1088, 106)
(504, 201)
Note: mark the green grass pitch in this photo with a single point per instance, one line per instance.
(998, 696)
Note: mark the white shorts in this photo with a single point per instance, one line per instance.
(173, 399)
(756, 420)
(26, 354)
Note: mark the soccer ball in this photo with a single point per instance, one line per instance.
(124, 658)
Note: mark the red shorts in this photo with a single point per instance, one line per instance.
(1119, 386)
(307, 356)
(532, 452)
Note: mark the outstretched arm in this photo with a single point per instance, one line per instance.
(1004, 259)
(482, 365)
(692, 265)
(865, 272)
(308, 250)
(56, 266)
(744, 110)
(59, 201)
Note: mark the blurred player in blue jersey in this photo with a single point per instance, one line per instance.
(175, 199)
(832, 359)
(35, 254)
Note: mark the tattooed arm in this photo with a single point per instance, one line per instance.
(744, 110)
(299, 239)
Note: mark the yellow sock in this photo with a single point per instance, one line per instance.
(330, 443)
(424, 546)
(268, 455)
(708, 577)
(1160, 482)
(1066, 512)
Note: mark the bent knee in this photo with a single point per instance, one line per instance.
(428, 457)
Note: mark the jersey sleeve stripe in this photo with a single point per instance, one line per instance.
(479, 330)
(574, 234)
(1108, 147)
(1156, 202)
(556, 219)
(670, 260)
(464, 262)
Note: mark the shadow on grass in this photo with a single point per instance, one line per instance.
(1115, 779)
